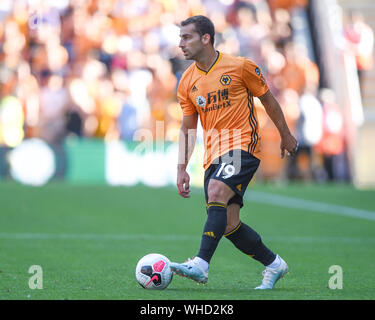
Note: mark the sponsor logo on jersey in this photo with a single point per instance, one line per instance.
(201, 101)
(214, 100)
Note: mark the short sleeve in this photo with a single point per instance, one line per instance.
(187, 106)
(253, 78)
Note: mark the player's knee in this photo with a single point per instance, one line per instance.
(218, 192)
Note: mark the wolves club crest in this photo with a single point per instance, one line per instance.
(225, 79)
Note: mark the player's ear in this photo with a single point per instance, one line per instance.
(206, 39)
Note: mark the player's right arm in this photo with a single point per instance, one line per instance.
(188, 134)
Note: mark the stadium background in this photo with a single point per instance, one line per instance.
(83, 83)
(88, 147)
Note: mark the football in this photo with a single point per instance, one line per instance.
(153, 272)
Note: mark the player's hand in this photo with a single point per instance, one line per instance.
(288, 144)
(183, 183)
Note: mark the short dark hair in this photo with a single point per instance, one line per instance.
(202, 25)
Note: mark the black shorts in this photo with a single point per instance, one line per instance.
(236, 169)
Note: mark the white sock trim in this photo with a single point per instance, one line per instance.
(276, 263)
(203, 263)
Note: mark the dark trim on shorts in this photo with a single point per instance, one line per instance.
(253, 123)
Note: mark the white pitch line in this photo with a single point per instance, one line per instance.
(310, 205)
(305, 205)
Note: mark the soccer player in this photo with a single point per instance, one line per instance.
(220, 89)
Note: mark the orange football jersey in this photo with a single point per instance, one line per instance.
(224, 99)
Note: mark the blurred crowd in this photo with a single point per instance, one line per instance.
(105, 69)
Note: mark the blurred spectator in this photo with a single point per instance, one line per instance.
(250, 32)
(53, 102)
(360, 37)
(11, 121)
(292, 75)
(286, 4)
(281, 31)
(332, 143)
(127, 121)
(73, 122)
(160, 91)
(273, 61)
(308, 133)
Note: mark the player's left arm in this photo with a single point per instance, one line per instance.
(273, 109)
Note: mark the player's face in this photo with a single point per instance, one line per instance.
(191, 42)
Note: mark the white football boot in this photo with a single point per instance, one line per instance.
(272, 275)
(190, 269)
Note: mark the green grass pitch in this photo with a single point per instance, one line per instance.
(88, 239)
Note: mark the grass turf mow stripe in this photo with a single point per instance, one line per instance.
(169, 237)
